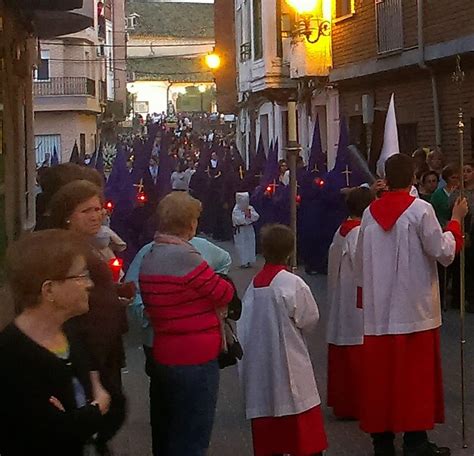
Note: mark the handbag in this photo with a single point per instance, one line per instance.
(232, 350)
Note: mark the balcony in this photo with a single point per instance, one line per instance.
(67, 94)
(64, 86)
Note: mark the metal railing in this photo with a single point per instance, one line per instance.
(64, 86)
(245, 52)
(389, 25)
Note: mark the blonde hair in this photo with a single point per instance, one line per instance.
(176, 213)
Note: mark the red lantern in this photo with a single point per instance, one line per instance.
(298, 199)
(319, 182)
(115, 265)
(141, 197)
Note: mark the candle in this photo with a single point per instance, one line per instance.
(115, 265)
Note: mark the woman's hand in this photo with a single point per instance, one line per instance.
(99, 393)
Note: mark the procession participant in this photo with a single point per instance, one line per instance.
(345, 331)
(400, 241)
(281, 396)
(440, 198)
(179, 178)
(243, 218)
(49, 406)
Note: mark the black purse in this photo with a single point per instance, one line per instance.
(233, 351)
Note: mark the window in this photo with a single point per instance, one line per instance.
(257, 30)
(244, 28)
(42, 73)
(285, 22)
(344, 8)
(46, 146)
(389, 25)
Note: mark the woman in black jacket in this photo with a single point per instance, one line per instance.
(47, 403)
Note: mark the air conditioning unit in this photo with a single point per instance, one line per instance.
(101, 50)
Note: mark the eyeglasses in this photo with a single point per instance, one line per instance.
(84, 276)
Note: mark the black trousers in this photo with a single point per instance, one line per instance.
(383, 441)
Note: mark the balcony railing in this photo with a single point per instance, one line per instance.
(245, 52)
(64, 86)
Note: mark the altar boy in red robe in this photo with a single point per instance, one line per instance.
(400, 242)
(345, 329)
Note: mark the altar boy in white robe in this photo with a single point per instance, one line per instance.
(243, 218)
(400, 241)
(281, 396)
(345, 329)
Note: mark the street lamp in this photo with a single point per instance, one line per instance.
(213, 61)
(306, 9)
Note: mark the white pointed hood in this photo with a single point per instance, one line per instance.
(242, 200)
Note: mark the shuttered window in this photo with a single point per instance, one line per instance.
(45, 146)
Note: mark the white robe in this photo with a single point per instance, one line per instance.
(276, 371)
(398, 272)
(345, 324)
(244, 237)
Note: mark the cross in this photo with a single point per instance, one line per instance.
(347, 172)
(259, 175)
(139, 186)
(315, 169)
(241, 173)
(273, 187)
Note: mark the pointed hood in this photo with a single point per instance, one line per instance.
(271, 171)
(390, 138)
(317, 164)
(99, 162)
(55, 158)
(75, 158)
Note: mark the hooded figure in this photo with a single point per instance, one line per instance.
(243, 217)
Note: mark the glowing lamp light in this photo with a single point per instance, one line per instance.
(109, 205)
(115, 265)
(202, 88)
(303, 6)
(319, 182)
(213, 61)
(141, 197)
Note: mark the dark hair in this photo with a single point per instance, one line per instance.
(429, 173)
(399, 171)
(358, 200)
(29, 265)
(449, 171)
(59, 175)
(66, 200)
(277, 243)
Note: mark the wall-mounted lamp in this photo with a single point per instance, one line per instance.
(306, 10)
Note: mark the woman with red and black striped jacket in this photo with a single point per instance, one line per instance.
(183, 298)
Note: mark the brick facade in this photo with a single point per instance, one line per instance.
(355, 42)
(226, 76)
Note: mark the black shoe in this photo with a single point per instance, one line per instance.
(384, 451)
(426, 449)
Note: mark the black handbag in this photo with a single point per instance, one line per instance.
(233, 351)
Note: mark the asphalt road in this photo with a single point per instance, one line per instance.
(231, 435)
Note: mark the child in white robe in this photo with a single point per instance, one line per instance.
(243, 218)
(281, 396)
(345, 330)
(400, 242)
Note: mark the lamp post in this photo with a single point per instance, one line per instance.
(202, 91)
(293, 149)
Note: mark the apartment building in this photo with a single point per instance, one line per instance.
(166, 56)
(409, 48)
(276, 63)
(80, 83)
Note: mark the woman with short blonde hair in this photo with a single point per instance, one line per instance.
(182, 297)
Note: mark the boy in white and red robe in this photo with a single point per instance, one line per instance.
(281, 396)
(345, 330)
(400, 242)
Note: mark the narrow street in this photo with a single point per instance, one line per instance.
(232, 436)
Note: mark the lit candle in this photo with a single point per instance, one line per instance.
(115, 265)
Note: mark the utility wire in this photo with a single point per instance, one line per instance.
(151, 45)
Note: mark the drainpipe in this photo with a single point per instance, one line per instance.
(434, 83)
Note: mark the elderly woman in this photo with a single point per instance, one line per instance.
(48, 403)
(183, 296)
(77, 207)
